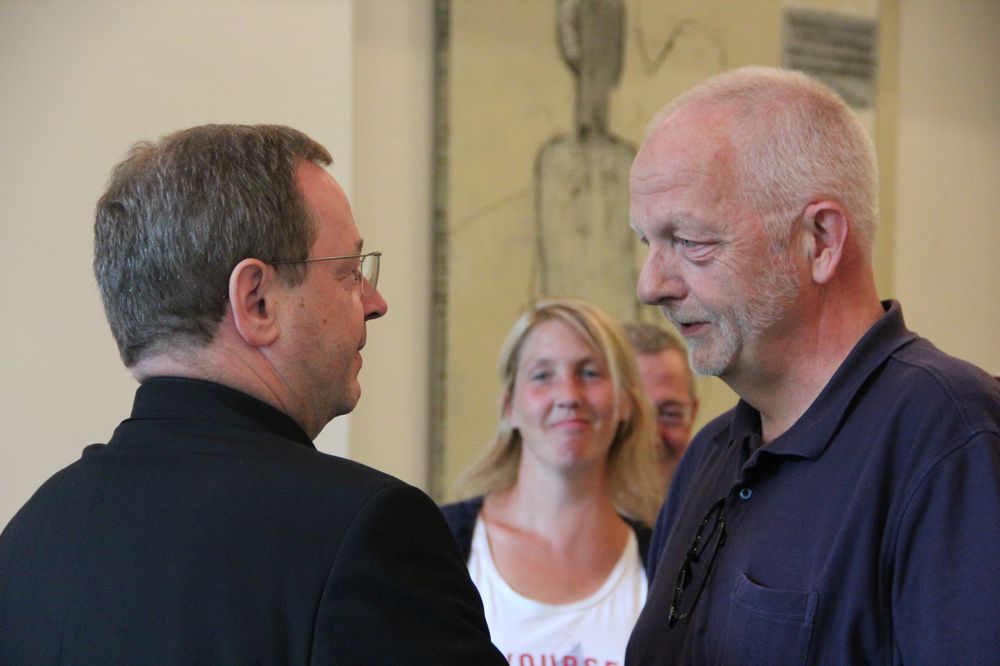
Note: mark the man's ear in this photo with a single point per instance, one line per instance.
(251, 287)
(826, 228)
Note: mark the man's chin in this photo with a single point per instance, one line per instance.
(350, 403)
(706, 361)
(706, 368)
(667, 467)
(347, 403)
(665, 454)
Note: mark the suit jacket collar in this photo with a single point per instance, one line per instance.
(176, 399)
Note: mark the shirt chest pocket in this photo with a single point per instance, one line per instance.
(768, 626)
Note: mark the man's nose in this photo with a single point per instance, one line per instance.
(659, 280)
(375, 305)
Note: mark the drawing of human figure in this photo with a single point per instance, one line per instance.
(585, 247)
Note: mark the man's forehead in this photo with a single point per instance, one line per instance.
(680, 152)
(676, 175)
(329, 208)
(673, 360)
(666, 369)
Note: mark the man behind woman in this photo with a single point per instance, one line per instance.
(556, 533)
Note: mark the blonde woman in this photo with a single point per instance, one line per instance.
(556, 532)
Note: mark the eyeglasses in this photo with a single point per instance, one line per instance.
(674, 415)
(717, 517)
(366, 273)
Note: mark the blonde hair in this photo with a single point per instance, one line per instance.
(636, 488)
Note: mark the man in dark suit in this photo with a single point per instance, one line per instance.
(209, 529)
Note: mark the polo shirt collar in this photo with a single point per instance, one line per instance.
(814, 430)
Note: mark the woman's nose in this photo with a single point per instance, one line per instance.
(569, 393)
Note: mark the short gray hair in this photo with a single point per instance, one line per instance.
(179, 214)
(796, 142)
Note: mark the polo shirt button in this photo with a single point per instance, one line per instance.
(745, 493)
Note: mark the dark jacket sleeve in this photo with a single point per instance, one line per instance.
(399, 591)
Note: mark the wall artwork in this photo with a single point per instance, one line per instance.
(540, 105)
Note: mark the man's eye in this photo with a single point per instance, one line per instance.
(694, 250)
(674, 415)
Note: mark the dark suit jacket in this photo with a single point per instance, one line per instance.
(210, 531)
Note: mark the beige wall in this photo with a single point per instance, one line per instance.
(81, 79)
(392, 197)
(947, 232)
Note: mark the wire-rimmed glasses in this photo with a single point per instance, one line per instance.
(366, 273)
(716, 516)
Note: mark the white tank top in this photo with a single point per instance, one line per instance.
(590, 632)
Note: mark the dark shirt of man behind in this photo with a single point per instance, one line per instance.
(847, 510)
(208, 529)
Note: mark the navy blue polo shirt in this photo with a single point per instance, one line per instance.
(868, 533)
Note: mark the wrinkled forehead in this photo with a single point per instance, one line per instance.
(681, 147)
(666, 374)
(682, 171)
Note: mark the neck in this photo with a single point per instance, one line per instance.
(553, 504)
(246, 370)
(807, 353)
